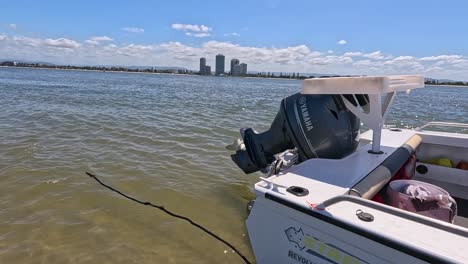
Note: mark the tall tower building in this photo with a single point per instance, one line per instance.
(234, 62)
(219, 64)
(202, 66)
(243, 69)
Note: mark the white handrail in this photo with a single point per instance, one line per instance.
(442, 124)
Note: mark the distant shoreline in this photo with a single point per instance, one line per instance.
(448, 85)
(147, 71)
(85, 70)
(143, 72)
(192, 74)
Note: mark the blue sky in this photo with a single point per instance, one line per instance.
(355, 37)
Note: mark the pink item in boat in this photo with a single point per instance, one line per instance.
(422, 198)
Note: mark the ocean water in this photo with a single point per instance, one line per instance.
(160, 138)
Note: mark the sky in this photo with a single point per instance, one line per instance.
(307, 36)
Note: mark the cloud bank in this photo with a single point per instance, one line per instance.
(102, 50)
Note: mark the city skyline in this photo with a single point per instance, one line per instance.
(276, 36)
(236, 68)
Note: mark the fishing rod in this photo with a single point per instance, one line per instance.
(160, 207)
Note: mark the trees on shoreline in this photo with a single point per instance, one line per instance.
(280, 75)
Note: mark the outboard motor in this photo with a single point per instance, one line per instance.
(319, 126)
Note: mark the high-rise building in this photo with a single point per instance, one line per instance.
(236, 69)
(234, 62)
(202, 66)
(219, 64)
(243, 69)
(204, 69)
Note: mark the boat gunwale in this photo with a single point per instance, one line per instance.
(386, 241)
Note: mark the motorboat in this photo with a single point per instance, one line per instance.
(316, 205)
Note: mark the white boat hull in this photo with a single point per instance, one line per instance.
(281, 234)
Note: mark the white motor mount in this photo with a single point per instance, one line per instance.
(376, 87)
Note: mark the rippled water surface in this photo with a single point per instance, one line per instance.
(161, 138)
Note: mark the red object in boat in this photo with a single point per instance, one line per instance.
(406, 172)
(378, 198)
(462, 165)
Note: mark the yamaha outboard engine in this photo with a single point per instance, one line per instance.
(319, 126)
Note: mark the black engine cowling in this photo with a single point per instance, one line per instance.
(319, 126)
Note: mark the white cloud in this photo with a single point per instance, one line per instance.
(61, 43)
(406, 64)
(447, 61)
(197, 35)
(193, 28)
(404, 58)
(273, 57)
(133, 50)
(441, 57)
(353, 54)
(342, 42)
(377, 55)
(12, 26)
(299, 58)
(133, 29)
(364, 63)
(234, 34)
(102, 38)
(32, 42)
(98, 40)
(198, 31)
(330, 60)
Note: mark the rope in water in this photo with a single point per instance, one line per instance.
(173, 215)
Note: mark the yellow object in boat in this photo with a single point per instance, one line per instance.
(441, 162)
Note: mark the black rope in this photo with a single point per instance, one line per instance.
(173, 215)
